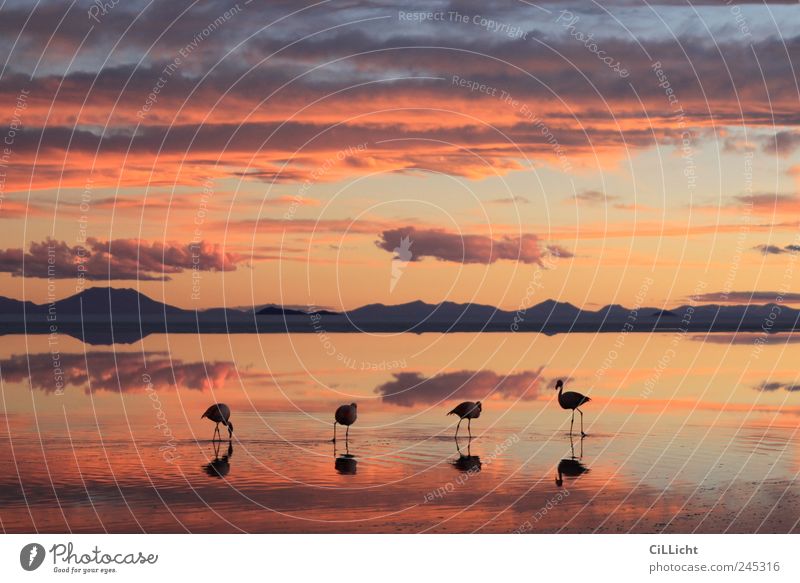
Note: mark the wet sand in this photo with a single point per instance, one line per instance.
(125, 451)
(405, 481)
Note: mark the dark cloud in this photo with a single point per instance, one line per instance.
(377, 45)
(594, 197)
(593, 111)
(698, 2)
(116, 259)
(747, 338)
(763, 203)
(113, 371)
(514, 199)
(311, 137)
(459, 248)
(775, 250)
(770, 387)
(768, 199)
(411, 388)
(559, 251)
(747, 297)
(769, 249)
(737, 145)
(784, 143)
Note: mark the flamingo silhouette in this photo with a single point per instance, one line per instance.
(219, 413)
(469, 411)
(571, 400)
(345, 415)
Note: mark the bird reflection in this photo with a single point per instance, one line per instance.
(220, 466)
(572, 466)
(467, 463)
(346, 463)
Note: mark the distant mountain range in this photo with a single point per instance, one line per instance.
(103, 315)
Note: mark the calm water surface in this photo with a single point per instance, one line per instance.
(686, 433)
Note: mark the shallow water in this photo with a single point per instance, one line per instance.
(683, 436)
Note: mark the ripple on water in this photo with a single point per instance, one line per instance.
(767, 441)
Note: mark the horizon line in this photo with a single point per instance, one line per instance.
(778, 299)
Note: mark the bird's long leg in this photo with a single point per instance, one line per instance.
(346, 435)
(457, 426)
(582, 433)
(469, 427)
(216, 432)
(571, 423)
(334, 432)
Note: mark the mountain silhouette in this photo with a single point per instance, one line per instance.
(106, 315)
(419, 312)
(664, 314)
(280, 311)
(114, 302)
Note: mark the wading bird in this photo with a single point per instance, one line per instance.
(469, 411)
(219, 413)
(571, 400)
(345, 415)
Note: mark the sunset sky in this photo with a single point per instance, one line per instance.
(214, 153)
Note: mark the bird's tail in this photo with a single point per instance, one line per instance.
(204, 415)
(453, 412)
